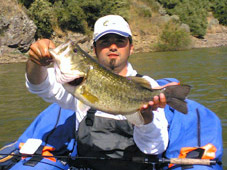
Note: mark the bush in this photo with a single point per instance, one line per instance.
(118, 7)
(75, 15)
(169, 4)
(98, 8)
(70, 16)
(153, 4)
(145, 11)
(173, 38)
(219, 8)
(26, 3)
(40, 12)
(93, 10)
(194, 13)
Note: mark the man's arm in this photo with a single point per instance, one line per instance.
(152, 138)
(42, 81)
(36, 74)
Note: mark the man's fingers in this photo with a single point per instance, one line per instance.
(40, 48)
(156, 100)
(151, 103)
(43, 47)
(39, 52)
(34, 57)
(33, 54)
(34, 49)
(145, 106)
(162, 100)
(51, 45)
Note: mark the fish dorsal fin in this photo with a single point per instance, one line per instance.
(141, 81)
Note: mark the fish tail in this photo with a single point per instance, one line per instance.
(175, 96)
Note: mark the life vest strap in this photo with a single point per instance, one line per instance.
(42, 152)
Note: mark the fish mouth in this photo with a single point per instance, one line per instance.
(76, 82)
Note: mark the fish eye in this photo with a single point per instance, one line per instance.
(75, 50)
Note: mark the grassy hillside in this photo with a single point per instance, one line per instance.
(156, 24)
(155, 30)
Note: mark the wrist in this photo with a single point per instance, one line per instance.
(147, 116)
(36, 73)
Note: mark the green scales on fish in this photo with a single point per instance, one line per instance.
(103, 90)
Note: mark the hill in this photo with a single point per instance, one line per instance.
(152, 27)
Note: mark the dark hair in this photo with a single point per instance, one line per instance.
(130, 39)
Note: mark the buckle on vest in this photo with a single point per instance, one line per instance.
(90, 117)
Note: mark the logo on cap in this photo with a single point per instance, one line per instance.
(105, 23)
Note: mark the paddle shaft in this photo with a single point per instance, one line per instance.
(179, 161)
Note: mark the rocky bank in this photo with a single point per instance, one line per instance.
(17, 33)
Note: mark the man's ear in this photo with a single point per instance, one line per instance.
(131, 49)
(94, 51)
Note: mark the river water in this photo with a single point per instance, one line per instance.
(204, 69)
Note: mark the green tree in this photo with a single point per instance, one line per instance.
(193, 12)
(92, 9)
(219, 8)
(95, 9)
(75, 15)
(26, 3)
(173, 37)
(40, 12)
(118, 7)
(70, 15)
(169, 4)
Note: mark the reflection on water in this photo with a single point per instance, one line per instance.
(203, 69)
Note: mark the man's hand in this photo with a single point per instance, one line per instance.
(39, 53)
(158, 102)
(39, 57)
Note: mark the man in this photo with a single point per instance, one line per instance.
(105, 134)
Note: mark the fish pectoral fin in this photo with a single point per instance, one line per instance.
(141, 81)
(135, 118)
(90, 97)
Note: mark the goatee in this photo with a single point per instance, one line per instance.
(112, 64)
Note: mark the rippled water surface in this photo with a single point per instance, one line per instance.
(204, 69)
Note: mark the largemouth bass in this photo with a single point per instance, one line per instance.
(103, 90)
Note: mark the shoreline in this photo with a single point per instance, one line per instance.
(22, 58)
(211, 40)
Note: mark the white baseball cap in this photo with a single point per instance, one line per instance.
(111, 24)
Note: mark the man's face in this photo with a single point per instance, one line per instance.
(112, 51)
